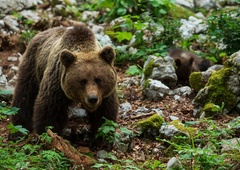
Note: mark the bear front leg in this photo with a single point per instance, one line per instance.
(24, 96)
(109, 110)
(51, 107)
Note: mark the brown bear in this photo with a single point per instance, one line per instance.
(186, 63)
(62, 66)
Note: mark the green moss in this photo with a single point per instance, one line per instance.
(208, 110)
(149, 68)
(153, 122)
(145, 84)
(196, 81)
(180, 12)
(186, 139)
(217, 89)
(187, 130)
(218, 92)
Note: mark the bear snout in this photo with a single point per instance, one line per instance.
(92, 99)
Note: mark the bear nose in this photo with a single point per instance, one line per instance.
(92, 99)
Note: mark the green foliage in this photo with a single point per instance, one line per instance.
(204, 150)
(158, 44)
(73, 11)
(29, 156)
(156, 8)
(134, 70)
(108, 131)
(17, 128)
(217, 108)
(123, 36)
(7, 111)
(26, 36)
(132, 24)
(128, 164)
(224, 27)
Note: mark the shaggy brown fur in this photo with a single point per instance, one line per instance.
(186, 63)
(59, 67)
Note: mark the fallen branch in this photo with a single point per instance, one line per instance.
(69, 151)
(143, 115)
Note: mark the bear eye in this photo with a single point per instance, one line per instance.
(98, 81)
(83, 82)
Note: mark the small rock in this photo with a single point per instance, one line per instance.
(30, 15)
(173, 118)
(174, 163)
(132, 50)
(77, 113)
(155, 90)
(156, 150)
(11, 23)
(2, 23)
(142, 110)
(230, 145)
(12, 58)
(101, 154)
(191, 26)
(98, 29)
(104, 40)
(177, 98)
(186, 3)
(182, 91)
(90, 16)
(168, 130)
(159, 112)
(125, 107)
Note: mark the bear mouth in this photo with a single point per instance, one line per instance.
(90, 107)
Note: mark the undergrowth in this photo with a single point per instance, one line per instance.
(21, 155)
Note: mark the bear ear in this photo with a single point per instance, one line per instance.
(67, 58)
(178, 62)
(108, 55)
(191, 60)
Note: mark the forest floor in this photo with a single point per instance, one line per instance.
(143, 149)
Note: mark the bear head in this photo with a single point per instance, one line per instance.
(184, 68)
(89, 77)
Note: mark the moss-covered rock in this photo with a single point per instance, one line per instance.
(196, 81)
(218, 93)
(150, 126)
(180, 12)
(147, 71)
(146, 83)
(184, 134)
(208, 110)
(223, 87)
(189, 131)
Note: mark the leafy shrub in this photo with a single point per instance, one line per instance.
(204, 150)
(108, 131)
(118, 164)
(134, 70)
(14, 155)
(156, 8)
(223, 27)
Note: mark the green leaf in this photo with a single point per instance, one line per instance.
(121, 11)
(162, 11)
(123, 36)
(134, 70)
(125, 130)
(17, 128)
(8, 111)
